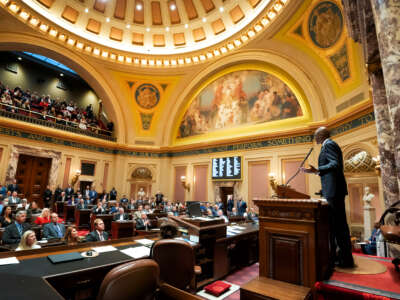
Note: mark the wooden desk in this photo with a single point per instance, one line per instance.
(35, 277)
(122, 229)
(107, 219)
(82, 218)
(69, 213)
(59, 207)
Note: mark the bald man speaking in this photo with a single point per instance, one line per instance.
(334, 190)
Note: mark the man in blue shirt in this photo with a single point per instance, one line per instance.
(13, 232)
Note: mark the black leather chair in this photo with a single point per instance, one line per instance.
(133, 280)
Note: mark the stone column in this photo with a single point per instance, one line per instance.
(387, 24)
(361, 27)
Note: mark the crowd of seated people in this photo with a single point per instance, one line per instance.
(122, 209)
(53, 110)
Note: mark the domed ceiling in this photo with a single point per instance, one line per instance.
(146, 31)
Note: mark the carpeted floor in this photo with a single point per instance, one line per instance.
(241, 277)
(376, 286)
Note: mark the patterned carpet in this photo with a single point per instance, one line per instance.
(241, 277)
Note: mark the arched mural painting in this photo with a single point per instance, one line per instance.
(239, 98)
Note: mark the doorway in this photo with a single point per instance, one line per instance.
(32, 176)
(224, 191)
(83, 185)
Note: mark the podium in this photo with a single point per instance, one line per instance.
(293, 240)
(69, 213)
(82, 218)
(121, 229)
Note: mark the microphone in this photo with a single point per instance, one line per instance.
(301, 165)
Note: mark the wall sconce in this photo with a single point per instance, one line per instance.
(185, 185)
(76, 177)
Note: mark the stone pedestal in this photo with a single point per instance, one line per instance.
(369, 221)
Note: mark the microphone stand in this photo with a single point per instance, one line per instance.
(298, 170)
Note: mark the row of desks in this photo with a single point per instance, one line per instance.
(35, 277)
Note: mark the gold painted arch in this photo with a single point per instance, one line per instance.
(195, 107)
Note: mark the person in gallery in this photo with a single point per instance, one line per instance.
(334, 190)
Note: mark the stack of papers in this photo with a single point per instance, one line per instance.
(104, 249)
(145, 242)
(233, 230)
(9, 261)
(137, 252)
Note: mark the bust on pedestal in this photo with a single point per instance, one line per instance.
(369, 213)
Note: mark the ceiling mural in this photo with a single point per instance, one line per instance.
(239, 98)
(325, 24)
(319, 30)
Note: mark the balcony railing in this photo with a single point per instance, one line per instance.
(35, 117)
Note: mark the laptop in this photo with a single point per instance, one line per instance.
(59, 258)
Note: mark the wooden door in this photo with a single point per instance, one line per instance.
(224, 191)
(32, 176)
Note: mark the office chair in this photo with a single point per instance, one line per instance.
(176, 259)
(133, 280)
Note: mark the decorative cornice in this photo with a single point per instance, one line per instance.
(267, 142)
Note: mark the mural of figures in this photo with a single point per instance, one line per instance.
(239, 98)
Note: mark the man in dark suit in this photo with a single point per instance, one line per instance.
(241, 207)
(54, 230)
(99, 209)
(230, 203)
(159, 198)
(98, 234)
(334, 190)
(14, 231)
(13, 186)
(47, 197)
(13, 199)
(113, 194)
(57, 194)
(69, 192)
(142, 223)
(81, 204)
(121, 215)
(93, 194)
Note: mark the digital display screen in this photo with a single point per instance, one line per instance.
(227, 168)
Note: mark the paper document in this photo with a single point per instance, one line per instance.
(9, 261)
(186, 240)
(238, 227)
(104, 249)
(145, 242)
(137, 252)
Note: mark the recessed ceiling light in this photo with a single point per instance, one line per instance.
(172, 6)
(86, 10)
(167, 28)
(204, 19)
(186, 26)
(139, 6)
(108, 20)
(128, 26)
(147, 29)
(61, 74)
(19, 58)
(221, 9)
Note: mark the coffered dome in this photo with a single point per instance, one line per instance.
(184, 30)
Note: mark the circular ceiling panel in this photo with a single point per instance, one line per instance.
(155, 27)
